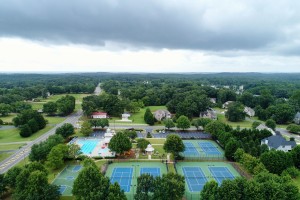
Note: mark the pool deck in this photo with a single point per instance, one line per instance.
(98, 148)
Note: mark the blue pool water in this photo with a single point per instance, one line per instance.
(88, 145)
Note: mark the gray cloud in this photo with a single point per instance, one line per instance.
(202, 25)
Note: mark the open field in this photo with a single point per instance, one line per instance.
(12, 135)
(243, 124)
(4, 147)
(3, 156)
(9, 117)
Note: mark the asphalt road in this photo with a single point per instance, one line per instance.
(25, 150)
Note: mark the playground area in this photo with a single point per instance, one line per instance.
(202, 149)
(65, 179)
(126, 173)
(198, 173)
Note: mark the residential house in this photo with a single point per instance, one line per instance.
(209, 113)
(249, 111)
(263, 127)
(213, 100)
(159, 115)
(279, 143)
(226, 104)
(99, 115)
(297, 118)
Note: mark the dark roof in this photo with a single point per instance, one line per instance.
(275, 141)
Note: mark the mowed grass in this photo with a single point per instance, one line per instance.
(5, 155)
(9, 117)
(55, 120)
(6, 147)
(243, 124)
(12, 135)
(156, 141)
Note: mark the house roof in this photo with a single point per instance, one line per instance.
(297, 115)
(212, 112)
(264, 127)
(276, 141)
(99, 113)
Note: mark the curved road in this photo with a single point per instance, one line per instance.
(25, 150)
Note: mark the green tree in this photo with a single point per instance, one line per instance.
(25, 131)
(55, 158)
(148, 117)
(293, 128)
(169, 187)
(86, 128)
(115, 192)
(102, 122)
(3, 184)
(276, 161)
(169, 123)
(11, 176)
(40, 151)
(183, 122)
(232, 189)
(174, 145)
(91, 184)
(145, 186)
(214, 128)
(271, 124)
(296, 156)
(65, 130)
(131, 134)
(74, 151)
(50, 108)
(142, 144)
(66, 105)
(235, 112)
(34, 185)
(255, 124)
(120, 143)
(5, 109)
(210, 191)
(281, 113)
(34, 126)
(230, 148)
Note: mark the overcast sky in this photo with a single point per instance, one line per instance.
(150, 35)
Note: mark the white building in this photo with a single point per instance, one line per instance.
(99, 115)
(279, 143)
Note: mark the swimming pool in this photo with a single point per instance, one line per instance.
(88, 145)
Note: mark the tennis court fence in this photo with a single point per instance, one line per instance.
(240, 171)
(204, 158)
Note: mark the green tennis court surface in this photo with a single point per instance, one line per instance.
(66, 178)
(202, 149)
(126, 173)
(198, 173)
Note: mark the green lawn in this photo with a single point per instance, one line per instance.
(12, 135)
(243, 124)
(156, 141)
(9, 117)
(55, 120)
(3, 156)
(4, 147)
(157, 148)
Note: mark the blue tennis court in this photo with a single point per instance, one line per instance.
(209, 148)
(154, 171)
(76, 168)
(190, 149)
(62, 189)
(221, 173)
(122, 175)
(195, 178)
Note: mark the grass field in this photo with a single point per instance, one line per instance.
(54, 120)
(243, 124)
(3, 156)
(4, 147)
(9, 117)
(156, 141)
(12, 135)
